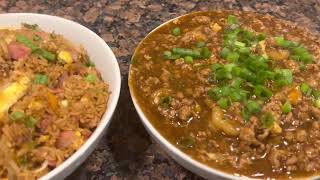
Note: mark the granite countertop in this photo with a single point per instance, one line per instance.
(127, 151)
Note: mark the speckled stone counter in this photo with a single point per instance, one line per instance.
(127, 152)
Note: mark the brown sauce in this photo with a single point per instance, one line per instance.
(173, 94)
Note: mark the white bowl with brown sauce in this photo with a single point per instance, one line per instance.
(156, 90)
(99, 53)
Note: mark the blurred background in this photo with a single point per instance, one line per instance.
(127, 151)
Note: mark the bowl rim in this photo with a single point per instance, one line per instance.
(108, 113)
(201, 168)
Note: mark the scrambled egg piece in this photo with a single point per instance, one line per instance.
(65, 57)
(215, 27)
(11, 93)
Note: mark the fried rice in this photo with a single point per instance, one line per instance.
(51, 100)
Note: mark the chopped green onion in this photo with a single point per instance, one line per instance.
(45, 54)
(165, 101)
(223, 103)
(236, 82)
(261, 37)
(16, 115)
(182, 51)
(205, 52)
(186, 142)
(41, 79)
(175, 56)
(188, 59)
(167, 54)
(30, 26)
(283, 77)
(22, 160)
(286, 107)
(198, 54)
(301, 54)
(253, 107)
(257, 75)
(239, 44)
(298, 52)
(187, 52)
(317, 103)
(232, 19)
(244, 50)
(224, 53)
(176, 31)
(36, 37)
(35, 49)
(216, 66)
(232, 57)
(305, 89)
(201, 44)
(247, 36)
(267, 120)
(262, 91)
(285, 43)
(91, 63)
(27, 42)
(245, 115)
(31, 122)
(316, 94)
(91, 78)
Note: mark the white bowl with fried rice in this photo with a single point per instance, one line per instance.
(105, 64)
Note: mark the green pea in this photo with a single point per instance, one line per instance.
(31, 122)
(91, 78)
(176, 31)
(41, 79)
(188, 59)
(17, 115)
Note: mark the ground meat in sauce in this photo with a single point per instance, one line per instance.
(288, 150)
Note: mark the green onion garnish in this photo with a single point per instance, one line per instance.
(223, 103)
(286, 107)
(305, 89)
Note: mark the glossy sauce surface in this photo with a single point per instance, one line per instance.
(176, 94)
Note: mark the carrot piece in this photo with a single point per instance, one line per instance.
(295, 96)
(52, 100)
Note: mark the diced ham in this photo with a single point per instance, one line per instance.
(52, 163)
(44, 124)
(61, 78)
(56, 90)
(65, 139)
(18, 51)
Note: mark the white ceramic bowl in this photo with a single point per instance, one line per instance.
(179, 156)
(99, 52)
